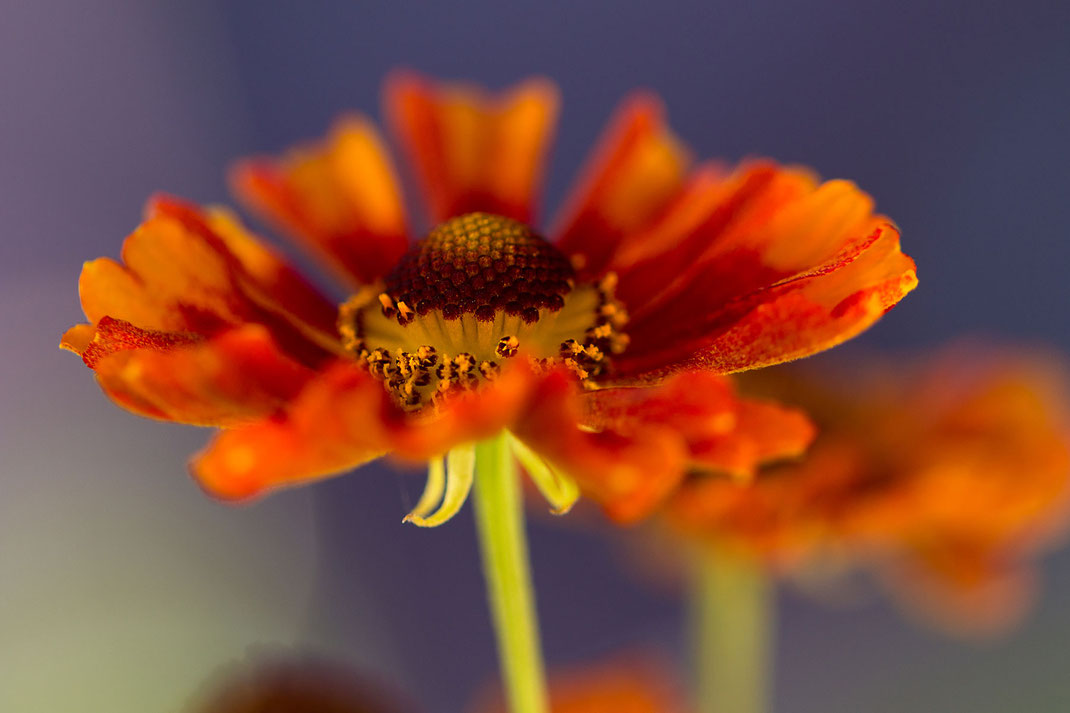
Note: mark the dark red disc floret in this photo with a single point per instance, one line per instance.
(481, 263)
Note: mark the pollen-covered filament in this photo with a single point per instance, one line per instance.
(479, 290)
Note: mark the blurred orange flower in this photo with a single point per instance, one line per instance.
(658, 273)
(285, 683)
(625, 684)
(279, 683)
(947, 474)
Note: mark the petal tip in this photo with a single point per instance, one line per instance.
(220, 475)
(77, 338)
(646, 103)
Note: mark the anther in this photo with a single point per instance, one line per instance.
(405, 313)
(445, 371)
(465, 365)
(402, 361)
(602, 331)
(507, 347)
(570, 347)
(593, 352)
(387, 304)
(427, 355)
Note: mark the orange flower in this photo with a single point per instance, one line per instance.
(625, 684)
(947, 474)
(658, 274)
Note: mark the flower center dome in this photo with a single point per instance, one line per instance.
(479, 289)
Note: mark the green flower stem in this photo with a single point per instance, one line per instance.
(499, 513)
(732, 609)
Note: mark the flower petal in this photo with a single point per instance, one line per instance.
(110, 336)
(344, 418)
(265, 275)
(473, 151)
(722, 431)
(961, 591)
(334, 425)
(765, 432)
(235, 377)
(339, 197)
(635, 173)
(77, 338)
(178, 275)
(629, 448)
(433, 489)
(789, 319)
(716, 217)
(460, 473)
(560, 491)
(627, 473)
(769, 225)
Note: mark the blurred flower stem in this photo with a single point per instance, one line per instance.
(732, 625)
(499, 514)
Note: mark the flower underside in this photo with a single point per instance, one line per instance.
(449, 481)
(478, 290)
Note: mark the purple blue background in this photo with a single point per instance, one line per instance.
(122, 587)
